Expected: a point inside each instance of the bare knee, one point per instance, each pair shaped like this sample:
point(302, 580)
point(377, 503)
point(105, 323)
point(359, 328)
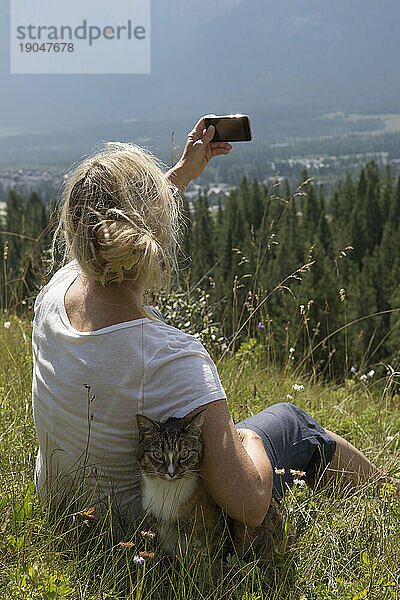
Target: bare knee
point(349, 466)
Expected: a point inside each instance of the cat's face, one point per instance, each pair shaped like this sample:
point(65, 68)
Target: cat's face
point(172, 449)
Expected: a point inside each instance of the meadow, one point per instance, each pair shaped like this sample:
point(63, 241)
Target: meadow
point(348, 543)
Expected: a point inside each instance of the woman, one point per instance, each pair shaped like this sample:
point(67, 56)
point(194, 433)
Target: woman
point(101, 356)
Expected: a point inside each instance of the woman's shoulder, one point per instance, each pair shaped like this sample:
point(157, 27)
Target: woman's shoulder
point(173, 340)
point(64, 274)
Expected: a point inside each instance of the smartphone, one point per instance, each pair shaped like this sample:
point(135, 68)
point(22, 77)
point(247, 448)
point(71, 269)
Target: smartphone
point(230, 128)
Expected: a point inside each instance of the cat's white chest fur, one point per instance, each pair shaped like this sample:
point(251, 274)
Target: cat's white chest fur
point(162, 497)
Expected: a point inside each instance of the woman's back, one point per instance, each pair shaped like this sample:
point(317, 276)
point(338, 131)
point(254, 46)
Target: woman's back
point(89, 385)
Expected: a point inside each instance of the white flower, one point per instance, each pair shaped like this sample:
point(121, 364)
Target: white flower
point(138, 559)
point(371, 373)
point(291, 349)
point(148, 534)
point(298, 473)
point(363, 377)
point(289, 396)
point(7, 324)
point(298, 388)
point(279, 471)
point(390, 438)
point(299, 482)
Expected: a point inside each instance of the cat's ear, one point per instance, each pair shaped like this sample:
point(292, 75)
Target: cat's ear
point(194, 423)
point(145, 425)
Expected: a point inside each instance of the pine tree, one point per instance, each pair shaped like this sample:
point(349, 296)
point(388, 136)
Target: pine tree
point(36, 219)
point(310, 210)
point(244, 201)
point(203, 237)
point(323, 232)
point(186, 244)
point(393, 215)
point(374, 222)
point(256, 207)
point(358, 221)
point(320, 294)
point(15, 224)
point(387, 194)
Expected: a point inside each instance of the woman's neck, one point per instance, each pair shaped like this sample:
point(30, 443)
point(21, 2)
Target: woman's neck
point(122, 294)
point(90, 305)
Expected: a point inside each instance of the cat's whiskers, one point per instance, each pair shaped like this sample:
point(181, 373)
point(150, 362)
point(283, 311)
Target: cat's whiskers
point(170, 455)
point(181, 505)
point(151, 473)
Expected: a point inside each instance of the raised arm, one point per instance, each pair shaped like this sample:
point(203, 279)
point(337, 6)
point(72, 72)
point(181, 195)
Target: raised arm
point(199, 150)
point(238, 474)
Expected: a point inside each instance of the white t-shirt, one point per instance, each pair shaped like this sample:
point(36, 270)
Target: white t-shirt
point(138, 366)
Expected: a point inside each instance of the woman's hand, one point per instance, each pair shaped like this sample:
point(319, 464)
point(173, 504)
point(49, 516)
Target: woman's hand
point(199, 150)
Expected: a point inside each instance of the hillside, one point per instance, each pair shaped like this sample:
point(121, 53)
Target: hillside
point(348, 544)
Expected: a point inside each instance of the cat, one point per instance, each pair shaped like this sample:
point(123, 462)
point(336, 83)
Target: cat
point(169, 455)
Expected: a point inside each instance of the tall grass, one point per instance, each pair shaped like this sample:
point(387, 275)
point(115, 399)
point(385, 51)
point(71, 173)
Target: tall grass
point(348, 544)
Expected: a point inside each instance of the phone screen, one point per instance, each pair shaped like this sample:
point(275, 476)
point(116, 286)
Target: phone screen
point(230, 128)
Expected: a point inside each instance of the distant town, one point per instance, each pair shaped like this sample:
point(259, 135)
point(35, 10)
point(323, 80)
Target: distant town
point(323, 168)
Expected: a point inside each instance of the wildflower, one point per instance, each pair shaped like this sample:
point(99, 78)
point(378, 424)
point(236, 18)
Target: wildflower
point(146, 554)
point(298, 388)
point(302, 309)
point(363, 377)
point(371, 373)
point(126, 544)
point(390, 438)
point(354, 370)
point(298, 473)
point(279, 471)
point(87, 513)
point(342, 294)
point(7, 324)
point(299, 482)
point(148, 534)
point(291, 350)
point(289, 396)
point(138, 559)
point(260, 326)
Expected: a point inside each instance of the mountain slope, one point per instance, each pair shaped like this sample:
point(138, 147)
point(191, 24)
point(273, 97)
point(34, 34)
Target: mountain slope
point(271, 57)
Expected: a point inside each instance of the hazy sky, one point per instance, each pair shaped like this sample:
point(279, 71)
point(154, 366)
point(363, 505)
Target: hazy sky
point(273, 57)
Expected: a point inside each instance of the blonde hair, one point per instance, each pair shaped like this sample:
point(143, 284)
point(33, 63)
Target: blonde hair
point(120, 218)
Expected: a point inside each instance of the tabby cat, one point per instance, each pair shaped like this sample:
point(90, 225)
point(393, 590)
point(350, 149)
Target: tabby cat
point(169, 455)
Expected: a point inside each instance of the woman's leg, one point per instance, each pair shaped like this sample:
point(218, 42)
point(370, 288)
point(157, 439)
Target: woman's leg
point(350, 467)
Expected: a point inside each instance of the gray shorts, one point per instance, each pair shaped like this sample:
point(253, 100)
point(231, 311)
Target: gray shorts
point(292, 439)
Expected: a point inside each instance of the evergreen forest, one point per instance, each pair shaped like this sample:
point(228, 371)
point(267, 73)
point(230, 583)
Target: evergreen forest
point(310, 279)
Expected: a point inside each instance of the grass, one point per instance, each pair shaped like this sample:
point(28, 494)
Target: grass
point(348, 545)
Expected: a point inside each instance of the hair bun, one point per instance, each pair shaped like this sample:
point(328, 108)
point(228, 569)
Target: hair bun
point(121, 217)
point(122, 245)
